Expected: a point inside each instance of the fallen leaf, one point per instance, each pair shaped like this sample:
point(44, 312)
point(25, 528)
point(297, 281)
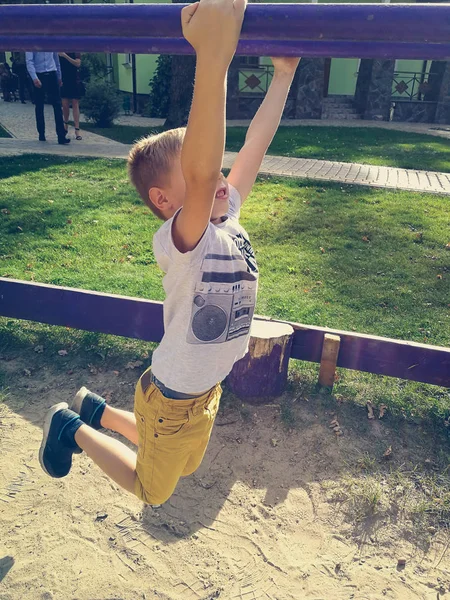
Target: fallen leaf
point(274, 442)
point(383, 409)
point(93, 369)
point(369, 407)
point(39, 349)
point(365, 238)
point(27, 372)
point(134, 364)
point(69, 221)
point(388, 453)
point(107, 396)
point(439, 276)
point(447, 246)
point(63, 352)
point(5, 211)
point(322, 250)
point(116, 373)
point(19, 228)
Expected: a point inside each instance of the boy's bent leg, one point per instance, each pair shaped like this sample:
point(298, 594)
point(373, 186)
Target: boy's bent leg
point(114, 458)
point(94, 411)
point(121, 421)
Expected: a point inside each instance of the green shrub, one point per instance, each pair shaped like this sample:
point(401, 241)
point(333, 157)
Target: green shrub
point(93, 66)
point(158, 105)
point(102, 103)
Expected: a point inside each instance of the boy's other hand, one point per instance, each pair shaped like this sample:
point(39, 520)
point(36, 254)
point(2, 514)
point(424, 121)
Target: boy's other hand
point(285, 65)
point(212, 27)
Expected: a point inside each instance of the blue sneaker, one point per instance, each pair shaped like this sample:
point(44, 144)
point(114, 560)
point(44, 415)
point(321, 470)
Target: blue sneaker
point(58, 443)
point(89, 406)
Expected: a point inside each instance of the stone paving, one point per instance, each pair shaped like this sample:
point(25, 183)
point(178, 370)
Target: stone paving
point(18, 119)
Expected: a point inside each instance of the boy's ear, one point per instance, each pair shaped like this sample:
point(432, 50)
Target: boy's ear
point(158, 198)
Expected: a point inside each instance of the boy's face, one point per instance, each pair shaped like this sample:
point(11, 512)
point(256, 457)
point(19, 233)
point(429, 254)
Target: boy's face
point(174, 194)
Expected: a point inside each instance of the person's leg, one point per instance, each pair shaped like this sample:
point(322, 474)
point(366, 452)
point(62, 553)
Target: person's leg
point(55, 100)
point(76, 117)
point(64, 434)
point(39, 96)
point(94, 411)
point(120, 421)
point(114, 458)
point(66, 112)
point(76, 112)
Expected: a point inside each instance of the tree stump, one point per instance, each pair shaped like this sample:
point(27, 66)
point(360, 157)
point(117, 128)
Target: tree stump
point(262, 373)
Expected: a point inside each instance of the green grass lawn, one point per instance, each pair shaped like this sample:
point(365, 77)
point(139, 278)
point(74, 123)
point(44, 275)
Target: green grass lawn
point(4, 133)
point(345, 257)
point(347, 144)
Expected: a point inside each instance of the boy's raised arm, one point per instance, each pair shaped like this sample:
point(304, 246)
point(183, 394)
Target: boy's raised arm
point(212, 27)
point(263, 127)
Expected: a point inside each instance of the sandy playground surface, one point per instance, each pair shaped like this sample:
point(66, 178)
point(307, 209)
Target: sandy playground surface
point(267, 517)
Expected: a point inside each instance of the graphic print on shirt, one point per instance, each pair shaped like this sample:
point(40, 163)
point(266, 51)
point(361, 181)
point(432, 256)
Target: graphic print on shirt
point(224, 300)
point(245, 248)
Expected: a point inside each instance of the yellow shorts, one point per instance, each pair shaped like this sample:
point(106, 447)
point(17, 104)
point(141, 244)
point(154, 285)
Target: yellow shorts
point(173, 437)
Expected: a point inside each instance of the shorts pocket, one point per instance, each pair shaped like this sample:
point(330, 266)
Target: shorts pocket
point(169, 427)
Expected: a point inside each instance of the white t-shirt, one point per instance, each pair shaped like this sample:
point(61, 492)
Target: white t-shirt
point(209, 305)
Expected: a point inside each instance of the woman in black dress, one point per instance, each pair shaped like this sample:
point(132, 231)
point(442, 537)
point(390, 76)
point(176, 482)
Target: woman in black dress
point(71, 90)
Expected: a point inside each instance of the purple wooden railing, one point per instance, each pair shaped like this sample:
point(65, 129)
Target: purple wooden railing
point(143, 319)
point(414, 31)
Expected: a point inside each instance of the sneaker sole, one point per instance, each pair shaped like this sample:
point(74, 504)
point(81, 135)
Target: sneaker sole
point(47, 424)
point(78, 400)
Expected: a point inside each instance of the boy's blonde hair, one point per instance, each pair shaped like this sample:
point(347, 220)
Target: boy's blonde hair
point(150, 161)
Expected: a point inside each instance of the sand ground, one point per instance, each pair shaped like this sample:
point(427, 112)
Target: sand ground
point(267, 516)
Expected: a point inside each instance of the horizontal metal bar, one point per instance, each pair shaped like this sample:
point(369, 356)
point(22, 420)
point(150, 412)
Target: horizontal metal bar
point(419, 31)
point(245, 47)
point(143, 319)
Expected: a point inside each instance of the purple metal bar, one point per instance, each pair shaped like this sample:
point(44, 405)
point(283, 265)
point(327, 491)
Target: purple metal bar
point(245, 48)
point(346, 30)
point(143, 319)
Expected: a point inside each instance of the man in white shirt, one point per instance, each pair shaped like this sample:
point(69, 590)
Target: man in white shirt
point(45, 71)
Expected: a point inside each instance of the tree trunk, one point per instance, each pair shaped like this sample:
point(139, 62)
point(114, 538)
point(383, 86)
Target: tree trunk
point(181, 88)
point(262, 373)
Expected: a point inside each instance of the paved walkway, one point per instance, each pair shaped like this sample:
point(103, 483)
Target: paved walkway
point(18, 119)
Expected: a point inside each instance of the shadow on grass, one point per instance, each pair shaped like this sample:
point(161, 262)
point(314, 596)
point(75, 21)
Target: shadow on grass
point(378, 256)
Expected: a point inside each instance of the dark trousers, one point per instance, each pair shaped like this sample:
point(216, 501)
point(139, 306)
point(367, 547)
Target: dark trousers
point(50, 88)
point(24, 82)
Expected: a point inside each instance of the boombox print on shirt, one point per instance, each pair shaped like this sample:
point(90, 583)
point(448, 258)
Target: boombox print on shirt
point(224, 300)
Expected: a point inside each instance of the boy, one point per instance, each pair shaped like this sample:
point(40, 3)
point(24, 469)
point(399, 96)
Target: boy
point(210, 281)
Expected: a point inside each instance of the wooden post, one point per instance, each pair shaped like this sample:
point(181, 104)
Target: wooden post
point(262, 373)
point(330, 351)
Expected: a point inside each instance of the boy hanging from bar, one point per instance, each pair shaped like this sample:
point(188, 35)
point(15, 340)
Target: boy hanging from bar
point(210, 278)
